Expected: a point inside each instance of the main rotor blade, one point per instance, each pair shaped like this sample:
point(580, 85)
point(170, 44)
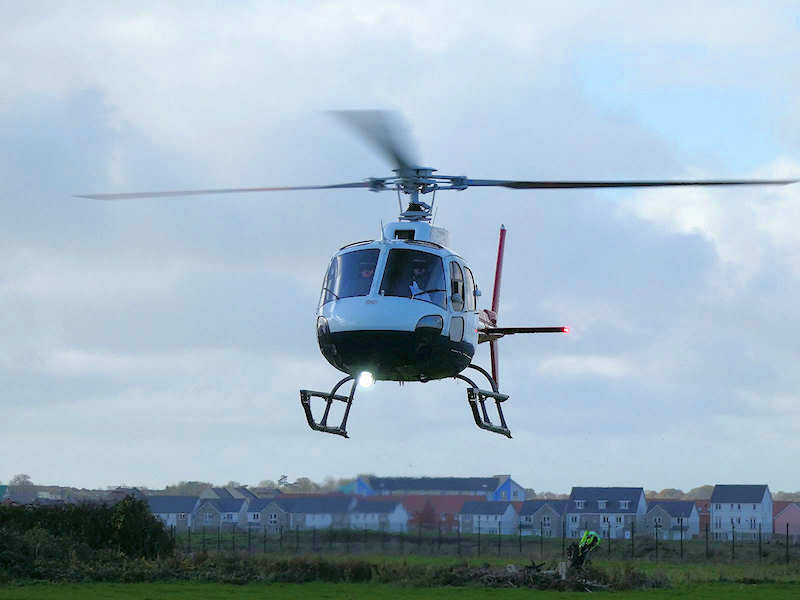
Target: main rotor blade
point(384, 130)
point(551, 185)
point(170, 193)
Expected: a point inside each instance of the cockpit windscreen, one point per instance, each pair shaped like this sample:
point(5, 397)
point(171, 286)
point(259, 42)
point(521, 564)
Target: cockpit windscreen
point(414, 274)
point(349, 275)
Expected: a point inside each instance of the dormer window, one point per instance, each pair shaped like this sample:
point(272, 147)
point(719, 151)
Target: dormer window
point(624, 504)
point(601, 504)
point(579, 504)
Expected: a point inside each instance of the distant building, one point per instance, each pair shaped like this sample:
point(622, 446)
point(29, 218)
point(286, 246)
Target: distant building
point(488, 517)
point(671, 519)
point(220, 512)
point(498, 487)
point(788, 515)
point(174, 511)
point(376, 515)
point(741, 511)
point(542, 517)
point(613, 510)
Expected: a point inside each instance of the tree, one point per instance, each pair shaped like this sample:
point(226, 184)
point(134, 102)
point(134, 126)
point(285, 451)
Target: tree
point(21, 479)
point(187, 488)
point(267, 483)
point(671, 494)
point(233, 484)
point(427, 516)
point(702, 492)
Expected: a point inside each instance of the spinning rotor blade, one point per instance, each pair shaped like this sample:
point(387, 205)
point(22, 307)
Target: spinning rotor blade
point(552, 185)
point(384, 130)
point(167, 194)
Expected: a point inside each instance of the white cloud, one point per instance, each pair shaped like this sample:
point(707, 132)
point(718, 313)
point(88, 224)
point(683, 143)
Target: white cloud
point(576, 365)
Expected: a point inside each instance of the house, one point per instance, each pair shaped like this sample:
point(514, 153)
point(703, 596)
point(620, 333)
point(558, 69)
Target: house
point(216, 512)
point(433, 512)
point(305, 512)
point(377, 515)
point(216, 493)
point(704, 513)
point(488, 517)
point(542, 517)
point(613, 510)
point(498, 487)
point(741, 511)
point(672, 519)
point(174, 511)
point(789, 516)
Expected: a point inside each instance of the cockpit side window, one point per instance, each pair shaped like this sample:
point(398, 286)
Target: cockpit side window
point(416, 275)
point(349, 275)
point(456, 286)
point(469, 290)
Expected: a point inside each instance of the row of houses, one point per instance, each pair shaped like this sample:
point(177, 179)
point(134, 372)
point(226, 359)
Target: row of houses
point(618, 512)
point(487, 504)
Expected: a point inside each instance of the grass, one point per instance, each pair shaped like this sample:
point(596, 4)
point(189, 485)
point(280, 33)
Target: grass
point(179, 591)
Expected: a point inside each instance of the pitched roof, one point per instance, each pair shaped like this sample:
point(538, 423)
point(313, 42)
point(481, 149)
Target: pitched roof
point(675, 508)
point(785, 506)
point(779, 505)
point(259, 504)
point(374, 506)
point(315, 504)
point(172, 504)
point(484, 508)
point(612, 495)
point(530, 507)
point(221, 492)
point(224, 505)
point(451, 484)
point(739, 493)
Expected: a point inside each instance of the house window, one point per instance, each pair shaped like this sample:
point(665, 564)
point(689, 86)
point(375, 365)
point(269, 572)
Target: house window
point(601, 504)
point(624, 504)
point(209, 516)
point(256, 516)
point(181, 515)
point(657, 520)
point(718, 506)
point(605, 518)
point(546, 521)
point(754, 507)
point(739, 506)
point(619, 520)
point(573, 519)
point(579, 504)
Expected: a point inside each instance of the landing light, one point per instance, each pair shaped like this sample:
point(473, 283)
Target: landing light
point(365, 379)
point(566, 329)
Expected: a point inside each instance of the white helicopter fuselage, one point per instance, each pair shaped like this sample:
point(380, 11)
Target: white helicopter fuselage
point(402, 308)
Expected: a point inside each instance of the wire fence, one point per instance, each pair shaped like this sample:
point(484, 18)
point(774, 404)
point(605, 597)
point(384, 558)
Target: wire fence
point(642, 544)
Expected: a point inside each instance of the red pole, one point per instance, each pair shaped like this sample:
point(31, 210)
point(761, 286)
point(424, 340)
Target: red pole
point(498, 275)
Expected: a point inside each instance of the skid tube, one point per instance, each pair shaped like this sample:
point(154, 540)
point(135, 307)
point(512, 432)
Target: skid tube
point(477, 400)
point(305, 401)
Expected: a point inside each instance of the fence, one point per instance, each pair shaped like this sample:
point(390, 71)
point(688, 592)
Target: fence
point(641, 544)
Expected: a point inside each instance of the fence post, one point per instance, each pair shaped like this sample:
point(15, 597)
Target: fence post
point(479, 535)
point(189, 530)
point(707, 527)
point(459, 537)
point(204, 538)
point(520, 537)
point(633, 536)
point(787, 542)
point(608, 537)
point(541, 539)
point(563, 532)
point(314, 539)
point(233, 533)
point(733, 541)
point(439, 545)
point(680, 524)
point(219, 537)
point(760, 553)
point(655, 535)
point(297, 537)
point(280, 538)
point(265, 539)
point(499, 533)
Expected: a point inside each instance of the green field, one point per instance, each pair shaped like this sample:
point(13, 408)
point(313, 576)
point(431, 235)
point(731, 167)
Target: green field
point(179, 591)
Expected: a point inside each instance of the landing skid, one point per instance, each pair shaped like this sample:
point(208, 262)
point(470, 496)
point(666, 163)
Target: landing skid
point(477, 402)
point(305, 400)
point(475, 396)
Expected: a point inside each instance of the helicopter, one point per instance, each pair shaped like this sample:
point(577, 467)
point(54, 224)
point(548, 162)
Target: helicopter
point(405, 307)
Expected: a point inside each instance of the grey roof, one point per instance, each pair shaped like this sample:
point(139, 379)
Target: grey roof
point(224, 505)
point(675, 508)
point(612, 495)
point(314, 504)
point(450, 484)
point(172, 504)
point(484, 508)
point(222, 493)
point(259, 504)
point(751, 494)
point(374, 506)
point(530, 507)
point(246, 492)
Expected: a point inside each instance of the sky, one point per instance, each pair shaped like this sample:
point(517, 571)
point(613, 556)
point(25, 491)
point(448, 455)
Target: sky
point(144, 342)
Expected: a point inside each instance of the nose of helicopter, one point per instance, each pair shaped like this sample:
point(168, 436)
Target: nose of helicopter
point(377, 313)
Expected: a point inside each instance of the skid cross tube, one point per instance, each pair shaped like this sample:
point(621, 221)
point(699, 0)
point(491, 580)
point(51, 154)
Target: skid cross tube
point(305, 400)
point(477, 398)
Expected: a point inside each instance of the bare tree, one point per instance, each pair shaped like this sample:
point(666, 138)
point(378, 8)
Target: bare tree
point(21, 479)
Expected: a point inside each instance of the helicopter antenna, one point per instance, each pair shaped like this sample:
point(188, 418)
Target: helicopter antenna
point(383, 235)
